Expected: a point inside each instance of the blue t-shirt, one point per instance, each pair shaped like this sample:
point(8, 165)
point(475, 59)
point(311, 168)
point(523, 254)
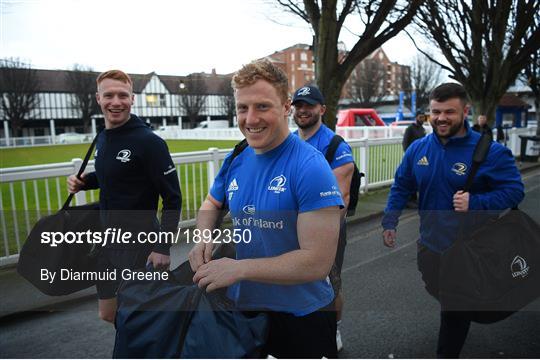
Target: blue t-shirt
point(321, 140)
point(265, 194)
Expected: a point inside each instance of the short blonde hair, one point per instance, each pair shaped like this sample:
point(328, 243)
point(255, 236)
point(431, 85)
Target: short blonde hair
point(262, 70)
point(115, 75)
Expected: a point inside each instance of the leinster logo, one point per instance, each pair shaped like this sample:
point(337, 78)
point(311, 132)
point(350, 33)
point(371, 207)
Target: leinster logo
point(249, 209)
point(459, 168)
point(304, 91)
point(277, 184)
point(519, 267)
point(123, 155)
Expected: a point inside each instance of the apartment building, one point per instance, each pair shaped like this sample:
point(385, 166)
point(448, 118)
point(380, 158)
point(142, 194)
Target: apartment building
point(298, 62)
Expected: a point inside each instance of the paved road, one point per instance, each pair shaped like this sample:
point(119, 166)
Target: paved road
point(388, 313)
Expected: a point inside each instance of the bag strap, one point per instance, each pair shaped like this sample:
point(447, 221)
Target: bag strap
point(480, 154)
point(82, 168)
point(238, 148)
point(332, 148)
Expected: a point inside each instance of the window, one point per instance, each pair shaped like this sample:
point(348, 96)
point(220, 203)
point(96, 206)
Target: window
point(155, 100)
point(364, 120)
point(292, 56)
point(303, 56)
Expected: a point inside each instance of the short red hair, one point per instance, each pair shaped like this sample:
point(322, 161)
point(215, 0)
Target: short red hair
point(115, 75)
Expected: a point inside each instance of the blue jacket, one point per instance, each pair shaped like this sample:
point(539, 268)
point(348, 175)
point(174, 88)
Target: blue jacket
point(133, 169)
point(437, 172)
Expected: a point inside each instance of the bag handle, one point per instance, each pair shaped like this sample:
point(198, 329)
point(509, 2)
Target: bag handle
point(82, 168)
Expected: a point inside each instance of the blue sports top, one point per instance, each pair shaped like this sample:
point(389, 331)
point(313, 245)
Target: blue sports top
point(265, 193)
point(438, 171)
point(321, 140)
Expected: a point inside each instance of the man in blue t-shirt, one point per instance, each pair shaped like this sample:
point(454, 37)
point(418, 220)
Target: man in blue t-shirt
point(284, 204)
point(308, 103)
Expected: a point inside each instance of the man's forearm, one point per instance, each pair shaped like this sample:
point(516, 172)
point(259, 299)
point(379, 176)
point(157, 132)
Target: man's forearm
point(318, 233)
point(294, 267)
point(209, 216)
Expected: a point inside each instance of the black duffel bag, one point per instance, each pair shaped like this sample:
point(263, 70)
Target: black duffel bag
point(495, 270)
point(173, 318)
point(38, 256)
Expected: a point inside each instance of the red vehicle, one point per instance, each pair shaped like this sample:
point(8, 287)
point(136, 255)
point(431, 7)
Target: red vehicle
point(359, 117)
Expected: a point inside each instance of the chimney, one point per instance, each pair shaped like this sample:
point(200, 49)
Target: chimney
point(214, 71)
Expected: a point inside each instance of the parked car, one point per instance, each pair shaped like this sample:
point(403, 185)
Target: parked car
point(213, 124)
point(359, 117)
point(71, 138)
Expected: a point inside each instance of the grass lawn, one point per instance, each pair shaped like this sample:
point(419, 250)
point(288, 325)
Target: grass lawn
point(36, 155)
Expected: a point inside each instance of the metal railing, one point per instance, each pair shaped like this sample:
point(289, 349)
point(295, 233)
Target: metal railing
point(45, 140)
point(30, 192)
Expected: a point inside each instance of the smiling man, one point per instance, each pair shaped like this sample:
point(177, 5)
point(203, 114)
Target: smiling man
point(281, 191)
point(133, 169)
point(309, 108)
point(437, 166)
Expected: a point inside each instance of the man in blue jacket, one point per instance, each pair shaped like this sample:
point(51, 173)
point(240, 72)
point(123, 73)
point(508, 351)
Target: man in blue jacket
point(133, 168)
point(437, 167)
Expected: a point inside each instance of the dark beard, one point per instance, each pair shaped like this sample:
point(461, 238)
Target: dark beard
point(454, 129)
point(314, 120)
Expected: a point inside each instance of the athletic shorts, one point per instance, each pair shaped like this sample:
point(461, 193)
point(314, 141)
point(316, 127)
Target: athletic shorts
point(118, 259)
point(310, 336)
point(335, 272)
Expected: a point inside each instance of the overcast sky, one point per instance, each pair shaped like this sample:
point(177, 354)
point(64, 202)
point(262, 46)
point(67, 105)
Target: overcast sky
point(170, 37)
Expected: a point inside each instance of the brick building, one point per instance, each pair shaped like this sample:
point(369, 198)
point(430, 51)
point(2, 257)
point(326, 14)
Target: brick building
point(298, 63)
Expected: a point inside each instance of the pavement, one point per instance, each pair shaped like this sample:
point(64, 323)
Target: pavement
point(20, 298)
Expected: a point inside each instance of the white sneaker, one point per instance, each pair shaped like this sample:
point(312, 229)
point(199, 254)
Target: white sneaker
point(339, 343)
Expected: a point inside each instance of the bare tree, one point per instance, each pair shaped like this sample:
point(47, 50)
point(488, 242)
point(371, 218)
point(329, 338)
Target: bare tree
point(531, 75)
point(381, 19)
point(192, 100)
point(227, 101)
point(486, 43)
point(82, 83)
point(368, 83)
point(19, 85)
point(425, 75)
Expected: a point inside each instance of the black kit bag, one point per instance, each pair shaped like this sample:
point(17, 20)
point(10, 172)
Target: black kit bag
point(354, 191)
point(76, 257)
point(495, 270)
point(173, 318)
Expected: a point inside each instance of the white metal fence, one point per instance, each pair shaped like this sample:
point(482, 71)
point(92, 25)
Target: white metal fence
point(30, 192)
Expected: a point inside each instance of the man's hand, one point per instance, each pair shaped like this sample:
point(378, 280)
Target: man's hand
point(389, 238)
point(461, 201)
point(200, 255)
point(218, 274)
point(159, 261)
point(74, 184)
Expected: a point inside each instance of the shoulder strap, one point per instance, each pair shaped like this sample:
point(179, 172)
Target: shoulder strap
point(82, 168)
point(332, 148)
point(480, 153)
point(238, 148)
